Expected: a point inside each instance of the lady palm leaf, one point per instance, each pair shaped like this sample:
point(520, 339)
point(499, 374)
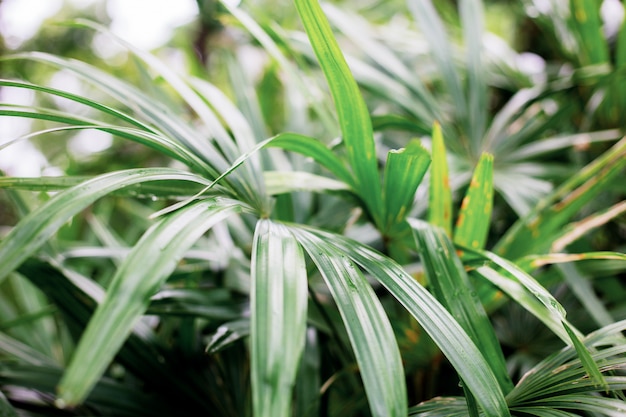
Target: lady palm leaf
point(129, 294)
point(440, 195)
point(36, 228)
point(278, 324)
point(354, 120)
point(368, 327)
point(535, 233)
point(453, 341)
point(153, 112)
point(474, 218)
point(451, 285)
point(77, 297)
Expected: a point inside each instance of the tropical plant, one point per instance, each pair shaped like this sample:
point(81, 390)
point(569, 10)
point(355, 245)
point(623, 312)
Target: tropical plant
point(236, 289)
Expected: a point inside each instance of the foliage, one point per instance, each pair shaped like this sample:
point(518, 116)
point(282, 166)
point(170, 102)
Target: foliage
point(247, 264)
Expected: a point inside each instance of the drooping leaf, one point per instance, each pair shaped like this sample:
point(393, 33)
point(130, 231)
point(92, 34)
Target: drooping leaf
point(151, 110)
point(452, 287)
point(77, 296)
point(139, 277)
point(451, 338)
point(278, 182)
point(366, 323)
point(313, 148)
point(531, 302)
point(278, 317)
point(590, 365)
point(35, 229)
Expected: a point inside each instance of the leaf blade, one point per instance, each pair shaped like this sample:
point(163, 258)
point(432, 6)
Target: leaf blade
point(132, 286)
point(32, 231)
point(354, 119)
point(278, 311)
point(367, 325)
point(452, 287)
point(440, 194)
point(475, 216)
point(434, 318)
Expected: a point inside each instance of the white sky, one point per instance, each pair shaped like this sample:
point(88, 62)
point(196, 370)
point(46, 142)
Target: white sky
point(147, 24)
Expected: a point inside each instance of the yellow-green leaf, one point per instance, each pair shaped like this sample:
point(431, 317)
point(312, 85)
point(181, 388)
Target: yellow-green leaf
point(474, 218)
point(440, 196)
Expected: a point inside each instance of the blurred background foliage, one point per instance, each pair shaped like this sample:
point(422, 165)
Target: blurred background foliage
point(550, 99)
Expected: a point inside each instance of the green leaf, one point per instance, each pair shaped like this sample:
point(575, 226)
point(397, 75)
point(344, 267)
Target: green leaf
point(533, 302)
point(404, 171)
point(368, 327)
point(431, 26)
point(151, 110)
point(523, 278)
point(535, 233)
point(585, 358)
point(452, 287)
point(39, 225)
point(356, 126)
point(439, 195)
point(155, 141)
point(473, 222)
point(433, 317)
point(315, 149)
point(160, 189)
point(279, 182)
point(77, 296)
point(471, 12)
point(585, 17)
point(6, 410)
point(278, 317)
point(139, 277)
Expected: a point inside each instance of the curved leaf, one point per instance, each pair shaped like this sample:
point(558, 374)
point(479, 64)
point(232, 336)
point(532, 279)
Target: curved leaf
point(452, 287)
point(139, 277)
point(365, 320)
point(454, 342)
point(35, 229)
